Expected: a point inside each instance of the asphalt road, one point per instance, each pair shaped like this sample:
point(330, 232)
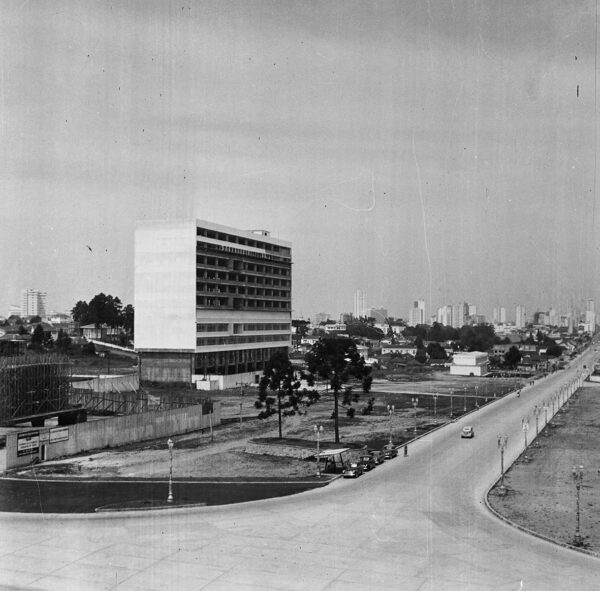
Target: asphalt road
point(415, 523)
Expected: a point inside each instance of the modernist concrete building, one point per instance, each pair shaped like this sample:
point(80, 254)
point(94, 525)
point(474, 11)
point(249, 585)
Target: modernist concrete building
point(474, 363)
point(212, 303)
point(33, 303)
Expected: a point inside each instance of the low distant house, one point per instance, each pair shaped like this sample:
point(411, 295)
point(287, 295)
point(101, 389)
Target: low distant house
point(474, 363)
point(404, 349)
point(91, 331)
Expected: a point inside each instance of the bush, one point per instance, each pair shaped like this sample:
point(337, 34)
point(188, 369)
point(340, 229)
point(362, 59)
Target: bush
point(351, 412)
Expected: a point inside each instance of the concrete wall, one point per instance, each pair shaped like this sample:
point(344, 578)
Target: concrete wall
point(112, 432)
point(105, 383)
point(165, 286)
point(167, 367)
point(218, 382)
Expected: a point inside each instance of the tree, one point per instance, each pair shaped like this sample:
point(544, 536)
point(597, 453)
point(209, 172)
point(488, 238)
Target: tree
point(436, 351)
point(477, 338)
point(104, 309)
point(63, 341)
point(421, 355)
point(37, 338)
point(35, 319)
point(280, 378)
point(512, 357)
point(336, 359)
point(128, 318)
point(554, 350)
point(80, 312)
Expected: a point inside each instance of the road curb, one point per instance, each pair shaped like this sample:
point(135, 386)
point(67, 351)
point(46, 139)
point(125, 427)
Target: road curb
point(529, 531)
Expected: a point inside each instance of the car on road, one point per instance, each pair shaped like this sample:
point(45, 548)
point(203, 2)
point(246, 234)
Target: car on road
point(352, 470)
point(389, 451)
point(377, 456)
point(367, 462)
point(467, 432)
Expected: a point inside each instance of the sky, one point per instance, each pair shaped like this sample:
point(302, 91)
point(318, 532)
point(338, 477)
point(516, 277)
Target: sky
point(440, 150)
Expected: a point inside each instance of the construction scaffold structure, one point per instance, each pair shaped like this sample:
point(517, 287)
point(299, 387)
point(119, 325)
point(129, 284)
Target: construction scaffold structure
point(33, 384)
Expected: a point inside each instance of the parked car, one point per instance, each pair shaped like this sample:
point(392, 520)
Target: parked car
point(352, 470)
point(467, 432)
point(377, 456)
point(389, 451)
point(368, 463)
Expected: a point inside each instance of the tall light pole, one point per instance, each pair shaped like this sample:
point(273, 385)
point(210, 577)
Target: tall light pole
point(390, 409)
point(545, 413)
point(170, 497)
point(318, 429)
point(464, 399)
point(415, 401)
point(476, 394)
point(578, 478)
point(536, 413)
point(525, 429)
point(451, 398)
point(242, 385)
point(502, 441)
point(435, 397)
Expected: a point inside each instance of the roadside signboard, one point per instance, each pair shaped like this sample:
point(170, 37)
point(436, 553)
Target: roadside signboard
point(28, 443)
point(59, 434)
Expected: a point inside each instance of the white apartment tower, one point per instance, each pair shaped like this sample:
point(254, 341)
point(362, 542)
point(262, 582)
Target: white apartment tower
point(416, 314)
point(459, 315)
point(499, 315)
point(212, 303)
point(360, 303)
point(33, 303)
point(520, 317)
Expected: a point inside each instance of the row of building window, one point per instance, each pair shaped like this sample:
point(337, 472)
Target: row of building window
point(237, 278)
point(241, 290)
point(250, 327)
point(267, 246)
point(212, 327)
point(242, 304)
point(234, 361)
point(237, 340)
point(239, 265)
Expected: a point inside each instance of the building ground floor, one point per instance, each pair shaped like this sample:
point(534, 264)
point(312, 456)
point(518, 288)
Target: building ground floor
point(186, 367)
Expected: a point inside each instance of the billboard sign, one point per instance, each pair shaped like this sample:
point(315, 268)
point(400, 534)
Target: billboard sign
point(59, 434)
point(28, 443)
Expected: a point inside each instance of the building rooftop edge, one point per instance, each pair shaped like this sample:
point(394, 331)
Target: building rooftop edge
point(217, 227)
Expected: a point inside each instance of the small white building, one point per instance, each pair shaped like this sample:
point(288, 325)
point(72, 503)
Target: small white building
point(474, 363)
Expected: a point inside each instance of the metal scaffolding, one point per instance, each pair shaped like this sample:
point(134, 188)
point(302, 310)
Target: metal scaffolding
point(33, 384)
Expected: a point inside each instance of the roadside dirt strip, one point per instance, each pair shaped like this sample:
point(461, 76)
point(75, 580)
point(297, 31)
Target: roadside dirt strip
point(540, 492)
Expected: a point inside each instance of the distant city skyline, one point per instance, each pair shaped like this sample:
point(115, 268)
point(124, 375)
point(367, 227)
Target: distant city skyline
point(442, 151)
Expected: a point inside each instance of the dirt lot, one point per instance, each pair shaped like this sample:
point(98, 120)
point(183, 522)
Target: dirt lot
point(542, 495)
point(222, 454)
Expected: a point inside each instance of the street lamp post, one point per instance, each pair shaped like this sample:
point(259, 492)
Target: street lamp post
point(390, 409)
point(578, 477)
point(242, 385)
point(545, 413)
point(170, 444)
point(525, 429)
point(502, 441)
point(415, 401)
point(318, 429)
point(465, 399)
point(536, 413)
point(451, 398)
point(435, 397)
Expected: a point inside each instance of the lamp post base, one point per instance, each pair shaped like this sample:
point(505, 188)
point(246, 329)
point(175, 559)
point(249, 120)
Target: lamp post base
point(170, 497)
point(577, 540)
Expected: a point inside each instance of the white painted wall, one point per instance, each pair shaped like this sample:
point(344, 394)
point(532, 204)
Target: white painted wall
point(165, 286)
